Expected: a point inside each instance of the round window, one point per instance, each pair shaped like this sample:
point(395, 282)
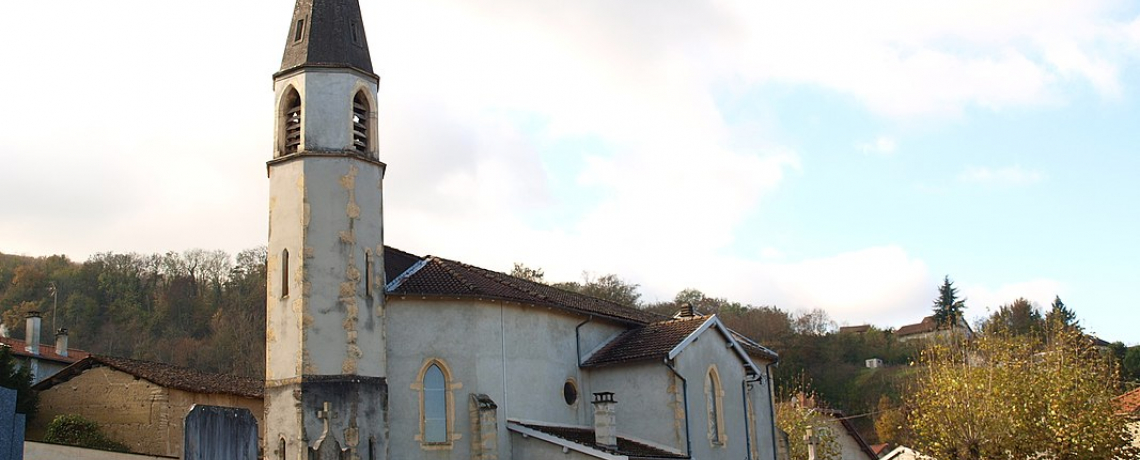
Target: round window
point(570, 392)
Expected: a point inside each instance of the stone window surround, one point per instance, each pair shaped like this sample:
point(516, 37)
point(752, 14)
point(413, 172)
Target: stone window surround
point(714, 390)
point(450, 386)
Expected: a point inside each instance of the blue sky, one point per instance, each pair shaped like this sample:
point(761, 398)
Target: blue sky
point(823, 154)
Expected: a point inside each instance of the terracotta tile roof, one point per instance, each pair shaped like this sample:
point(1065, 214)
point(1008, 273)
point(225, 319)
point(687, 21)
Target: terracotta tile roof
point(585, 436)
point(448, 278)
point(167, 375)
point(651, 341)
point(927, 325)
point(855, 329)
point(880, 449)
point(1128, 403)
point(46, 351)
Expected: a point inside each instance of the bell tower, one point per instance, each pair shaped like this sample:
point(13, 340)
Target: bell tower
point(326, 396)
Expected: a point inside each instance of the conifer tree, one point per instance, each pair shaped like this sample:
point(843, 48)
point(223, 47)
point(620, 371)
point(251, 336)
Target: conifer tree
point(948, 308)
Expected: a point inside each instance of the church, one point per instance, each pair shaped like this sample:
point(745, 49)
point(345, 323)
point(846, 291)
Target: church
point(375, 353)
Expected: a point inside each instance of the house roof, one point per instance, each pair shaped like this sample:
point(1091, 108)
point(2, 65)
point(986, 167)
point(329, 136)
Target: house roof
point(331, 35)
point(655, 340)
point(47, 352)
point(584, 436)
point(1128, 403)
point(855, 329)
point(926, 325)
point(436, 277)
point(167, 375)
point(439, 277)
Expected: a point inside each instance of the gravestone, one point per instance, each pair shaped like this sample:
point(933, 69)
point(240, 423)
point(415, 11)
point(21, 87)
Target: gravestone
point(11, 427)
point(219, 433)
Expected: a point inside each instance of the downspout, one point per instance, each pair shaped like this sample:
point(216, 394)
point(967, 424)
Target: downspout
point(578, 341)
point(747, 428)
point(685, 398)
point(772, 409)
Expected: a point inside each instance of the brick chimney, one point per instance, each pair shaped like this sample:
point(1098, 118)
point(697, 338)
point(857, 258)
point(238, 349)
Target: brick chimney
point(686, 311)
point(605, 420)
point(61, 341)
point(32, 333)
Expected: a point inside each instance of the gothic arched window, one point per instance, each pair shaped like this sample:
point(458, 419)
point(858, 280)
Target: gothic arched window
point(360, 110)
point(714, 400)
point(291, 122)
point(435, 384)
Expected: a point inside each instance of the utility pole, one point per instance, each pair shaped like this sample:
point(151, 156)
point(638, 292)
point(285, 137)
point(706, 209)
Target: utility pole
point(54, 303)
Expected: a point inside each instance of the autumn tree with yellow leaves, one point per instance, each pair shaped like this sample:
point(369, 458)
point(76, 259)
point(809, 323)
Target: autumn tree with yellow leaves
point(1008, 396)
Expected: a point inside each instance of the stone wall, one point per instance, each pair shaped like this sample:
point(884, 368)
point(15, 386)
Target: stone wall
point(146, 417)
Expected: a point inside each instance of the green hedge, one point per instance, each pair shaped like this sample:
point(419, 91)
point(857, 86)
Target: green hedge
point(75, 430)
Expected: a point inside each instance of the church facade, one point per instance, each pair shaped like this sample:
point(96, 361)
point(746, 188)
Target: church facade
point(375, 353)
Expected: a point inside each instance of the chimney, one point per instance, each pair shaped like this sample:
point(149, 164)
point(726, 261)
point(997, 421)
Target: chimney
point(605, 420)
point(687, 311)
point(61, 342)
point(32, 334)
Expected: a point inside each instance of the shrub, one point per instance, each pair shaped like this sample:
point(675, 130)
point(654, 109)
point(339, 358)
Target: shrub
point(74, 430)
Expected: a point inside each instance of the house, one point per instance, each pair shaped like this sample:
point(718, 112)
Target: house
point(1128, 405)
point(852, 446)
point(377, 353)
point(928, 328)
point(42, 359)
point(139, 403)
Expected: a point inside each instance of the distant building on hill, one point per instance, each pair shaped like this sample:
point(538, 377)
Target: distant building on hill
point(928, 328)
point(862, 328)
point(43, 360)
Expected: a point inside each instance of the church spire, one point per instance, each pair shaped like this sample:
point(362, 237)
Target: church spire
point(327, 33)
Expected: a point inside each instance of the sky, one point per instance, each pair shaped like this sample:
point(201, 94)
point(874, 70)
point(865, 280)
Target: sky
point(812, 154)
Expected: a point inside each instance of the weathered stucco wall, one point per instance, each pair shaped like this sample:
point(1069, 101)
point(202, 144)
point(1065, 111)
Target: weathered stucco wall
point(650, 404)
point(146, 417)
point(472, 338)
point(694, 363)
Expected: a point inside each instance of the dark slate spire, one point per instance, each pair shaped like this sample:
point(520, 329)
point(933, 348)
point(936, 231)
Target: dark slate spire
point(327, 33)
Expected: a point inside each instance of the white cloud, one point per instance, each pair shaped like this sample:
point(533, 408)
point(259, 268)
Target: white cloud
point(883, 145)
point(1008, 176)
point(983, 300)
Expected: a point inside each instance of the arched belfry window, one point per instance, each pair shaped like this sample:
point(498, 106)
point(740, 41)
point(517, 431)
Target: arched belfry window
point(291, 122)
point(360, 110)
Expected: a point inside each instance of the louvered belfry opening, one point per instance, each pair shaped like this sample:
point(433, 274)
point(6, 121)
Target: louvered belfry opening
point(360, 123)
point(292, 122)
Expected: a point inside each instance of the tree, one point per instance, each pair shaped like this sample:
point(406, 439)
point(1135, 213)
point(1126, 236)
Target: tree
point(1007, 396)
point(16, 377)
point(891, 423)
point(609, 287)
point(527, 273)
point(1018, 318)
point(1130, 365)
point(1061, 315)
point(948, 308)
point(815, 322)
